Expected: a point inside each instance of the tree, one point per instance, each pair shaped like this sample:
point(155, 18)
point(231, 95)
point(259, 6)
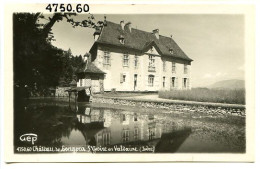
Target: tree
point(37, 64)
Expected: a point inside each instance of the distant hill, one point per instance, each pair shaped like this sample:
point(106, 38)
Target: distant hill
point(228, 84)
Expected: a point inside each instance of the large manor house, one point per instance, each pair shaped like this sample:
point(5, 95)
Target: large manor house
point(123, 58)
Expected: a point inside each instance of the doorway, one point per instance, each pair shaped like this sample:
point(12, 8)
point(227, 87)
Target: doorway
point(135, 81)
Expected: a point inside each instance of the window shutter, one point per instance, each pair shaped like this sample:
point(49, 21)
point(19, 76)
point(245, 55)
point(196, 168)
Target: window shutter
point(123, 60)
point(128, 61)
point(103, 58)
point(121, 77)
point(156, 81)
point(138, 60)
point(109, 58)
point(171, 85)
point(173, 67)
point(146, 81)
point(84, 82)
point(176, 83)
point(188, 83)
point(134, 61)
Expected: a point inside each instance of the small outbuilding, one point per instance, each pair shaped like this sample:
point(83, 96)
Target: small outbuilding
point(91, 76)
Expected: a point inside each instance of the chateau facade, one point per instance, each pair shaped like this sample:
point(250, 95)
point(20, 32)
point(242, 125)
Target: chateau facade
point(135, 60)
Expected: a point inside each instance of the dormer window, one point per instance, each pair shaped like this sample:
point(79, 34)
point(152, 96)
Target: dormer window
point(122, 39)
point(97, 33)
point(171, 51)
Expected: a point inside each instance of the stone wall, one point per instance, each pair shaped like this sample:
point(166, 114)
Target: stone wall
point(60, 92)
point(204, 108)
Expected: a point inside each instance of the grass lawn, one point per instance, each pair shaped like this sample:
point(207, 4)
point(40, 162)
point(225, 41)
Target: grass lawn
point(206, 95)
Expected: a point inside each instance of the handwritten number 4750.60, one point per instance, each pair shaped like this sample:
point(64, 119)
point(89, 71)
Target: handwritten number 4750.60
point(68, 7)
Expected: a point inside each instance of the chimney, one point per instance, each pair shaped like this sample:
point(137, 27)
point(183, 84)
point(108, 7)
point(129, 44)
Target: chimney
point(129, 26)
point(156, 33)
point(122, 23)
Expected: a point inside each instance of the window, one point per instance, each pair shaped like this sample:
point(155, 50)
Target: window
point(185, 69)
point(136, 61)
point(122, 78)
point(173, 67)
point(164, 65)
point(171, 50)
point(99, 139)
point(151, 66)
point(135, 117)
point(106, 58)
point(135, 81)
point(150, 80)
point(151, 133)
point(106, 139)
point(125, 59)
point(173, 82)
point(163, 81)
point(136, 134)
point(124, 117)
point(184, 83)
point(122, 41)
point(80, 82)
point(125, 135)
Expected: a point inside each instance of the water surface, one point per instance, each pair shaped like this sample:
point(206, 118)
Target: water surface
point(60, 124)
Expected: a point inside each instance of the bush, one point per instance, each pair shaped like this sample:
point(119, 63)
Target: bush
point(206, 95)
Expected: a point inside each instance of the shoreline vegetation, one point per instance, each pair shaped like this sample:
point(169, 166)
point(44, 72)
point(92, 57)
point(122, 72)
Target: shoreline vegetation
point(126, 98)
point(155, 105)
point(222, 98)
point(226, 96)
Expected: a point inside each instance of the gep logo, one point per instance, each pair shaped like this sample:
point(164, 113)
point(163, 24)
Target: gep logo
point(30, 137)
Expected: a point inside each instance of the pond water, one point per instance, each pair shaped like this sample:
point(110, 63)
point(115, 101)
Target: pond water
point(100, 128)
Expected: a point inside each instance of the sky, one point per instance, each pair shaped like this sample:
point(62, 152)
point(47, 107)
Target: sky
point(215, 42)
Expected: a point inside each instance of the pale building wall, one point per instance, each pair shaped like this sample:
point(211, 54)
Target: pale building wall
point(113, 72)
point(86, 81)
point(178, 74)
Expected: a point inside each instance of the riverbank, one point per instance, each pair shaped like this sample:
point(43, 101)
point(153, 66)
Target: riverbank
point(176, 105)
point(153, 102)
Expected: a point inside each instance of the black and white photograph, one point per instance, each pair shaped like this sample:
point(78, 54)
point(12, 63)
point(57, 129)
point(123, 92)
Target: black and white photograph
point(130, 83)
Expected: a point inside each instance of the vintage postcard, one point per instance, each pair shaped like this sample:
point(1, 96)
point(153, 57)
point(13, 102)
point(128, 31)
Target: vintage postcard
point(129, 83)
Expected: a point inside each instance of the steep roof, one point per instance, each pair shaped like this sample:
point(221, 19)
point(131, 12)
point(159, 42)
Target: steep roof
point(91, 68)
point(140, 40)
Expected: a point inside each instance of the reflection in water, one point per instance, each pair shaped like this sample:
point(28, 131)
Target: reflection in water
point(102, 127)
point(58, 124)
